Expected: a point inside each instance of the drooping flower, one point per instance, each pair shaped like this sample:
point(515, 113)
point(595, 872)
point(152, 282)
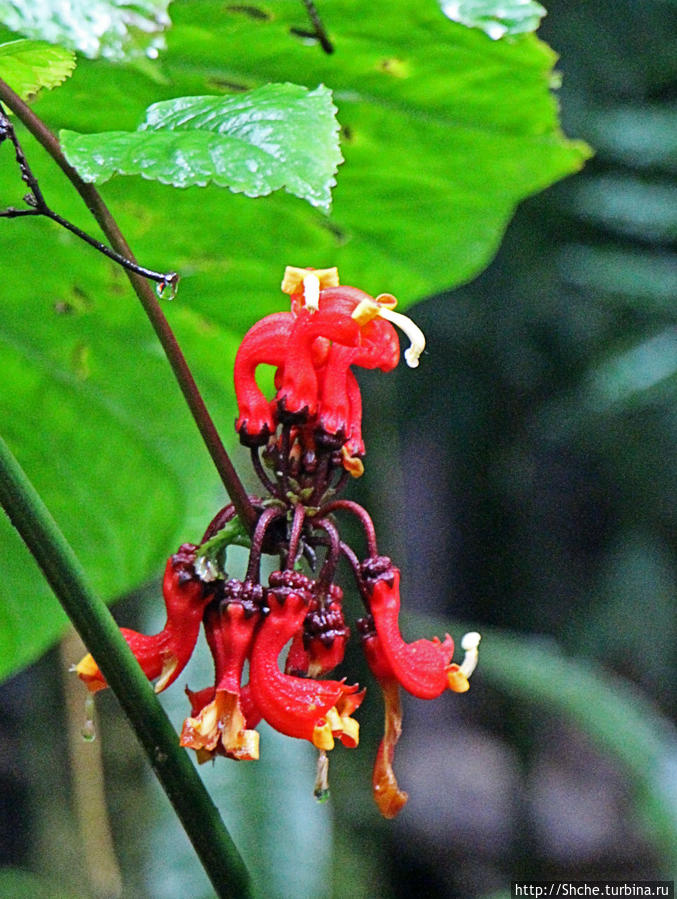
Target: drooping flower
point(329, 329)
point(220, 724)
point(423, 668)
point(163, 655)
point(302, 707)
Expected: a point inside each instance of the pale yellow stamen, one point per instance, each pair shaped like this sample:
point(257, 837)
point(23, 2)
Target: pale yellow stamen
point(365, 311)
point(294, 277)
point(470, 646)
point(458, 675)
point(311, 291)
point(413, 332)
point(383, 307)
point(169, 664)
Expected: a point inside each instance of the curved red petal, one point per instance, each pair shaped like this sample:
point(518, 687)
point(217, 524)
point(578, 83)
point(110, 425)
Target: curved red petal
point(292, 705)
point(420, 667)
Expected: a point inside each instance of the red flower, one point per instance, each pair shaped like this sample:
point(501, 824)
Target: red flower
point(166, 654)
point(421, 667)
point(320, 646)
point(219, 724)
point(304, 440)
point(309, 709)
point(313, 347)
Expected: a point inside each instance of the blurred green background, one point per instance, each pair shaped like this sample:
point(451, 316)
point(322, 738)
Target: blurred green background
point(525, 482)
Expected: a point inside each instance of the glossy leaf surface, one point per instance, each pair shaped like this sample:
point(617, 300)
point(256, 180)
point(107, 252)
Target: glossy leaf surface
point(279, 135)
point(114, 29)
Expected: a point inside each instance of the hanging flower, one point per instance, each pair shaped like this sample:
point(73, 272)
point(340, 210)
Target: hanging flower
point(330, 329)
point(302, 707)
point(219, 724)
point(166, 654)
point(305, 441)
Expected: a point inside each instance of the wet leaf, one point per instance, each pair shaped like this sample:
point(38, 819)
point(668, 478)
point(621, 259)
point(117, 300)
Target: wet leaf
point(252, 143)
point(114, 29)
point(496, 18)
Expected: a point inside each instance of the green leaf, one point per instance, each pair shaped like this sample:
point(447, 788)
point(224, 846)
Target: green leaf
point(444, 133)
point(115, 29)
point(28, 66)
point(280, 135)
point(496, 17)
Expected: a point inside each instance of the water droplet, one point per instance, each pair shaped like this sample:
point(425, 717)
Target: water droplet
point(88, 730)
point(168, 287)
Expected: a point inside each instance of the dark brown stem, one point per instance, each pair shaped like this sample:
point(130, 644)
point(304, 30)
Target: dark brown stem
point(330, 563)
point(320, 31)
point(365, 520)
point(146, 295)
point(294, 536)
point(261, 474)
point(354, 563)
point(265, 520)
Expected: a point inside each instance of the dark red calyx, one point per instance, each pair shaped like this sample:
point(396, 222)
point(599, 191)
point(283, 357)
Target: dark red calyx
point(249, 594)
point(377, 568)
point(183, 563)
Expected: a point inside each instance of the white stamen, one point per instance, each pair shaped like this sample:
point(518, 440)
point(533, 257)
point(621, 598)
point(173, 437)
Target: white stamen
point(413, 332)
point(311, 291)
point(469, 645)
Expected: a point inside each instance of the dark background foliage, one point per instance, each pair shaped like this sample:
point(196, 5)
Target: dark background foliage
point(526, 482)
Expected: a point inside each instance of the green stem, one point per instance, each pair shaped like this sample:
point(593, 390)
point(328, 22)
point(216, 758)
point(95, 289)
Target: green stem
point(172, 765)
point(146, 295)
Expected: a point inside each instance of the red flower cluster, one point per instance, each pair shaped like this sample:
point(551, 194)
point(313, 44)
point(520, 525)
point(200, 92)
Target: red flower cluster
point(328, 330)
point(304, 442)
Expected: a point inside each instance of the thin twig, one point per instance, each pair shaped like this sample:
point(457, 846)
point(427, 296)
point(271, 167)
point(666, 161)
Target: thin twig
point(146, 295)
point(38, 206)
point(318, 25)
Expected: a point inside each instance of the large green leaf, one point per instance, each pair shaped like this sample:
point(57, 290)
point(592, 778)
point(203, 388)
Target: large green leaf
point(444, 132)
point(112, 28)
point(279, 135)
point(31, 65)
